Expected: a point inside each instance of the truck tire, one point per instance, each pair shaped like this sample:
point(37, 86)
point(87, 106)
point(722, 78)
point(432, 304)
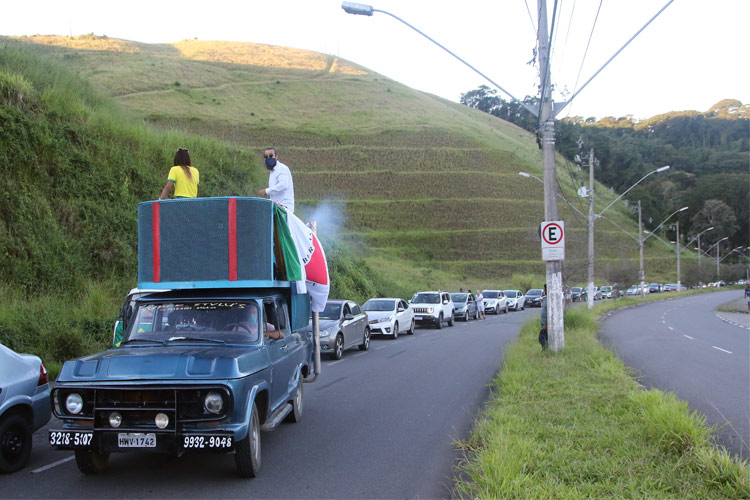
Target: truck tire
point(298, 406)
point(247, 456)
point(15, 443)
point(91, 462)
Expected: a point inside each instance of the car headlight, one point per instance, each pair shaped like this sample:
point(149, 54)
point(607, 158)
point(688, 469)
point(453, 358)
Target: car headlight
point(430, 310)
point(213, 402)
point(387, 319)
point(162, 420)
point(74, 403)
point(325, 333)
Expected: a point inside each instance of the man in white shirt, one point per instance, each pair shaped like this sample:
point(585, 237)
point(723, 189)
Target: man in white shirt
point(280, 186)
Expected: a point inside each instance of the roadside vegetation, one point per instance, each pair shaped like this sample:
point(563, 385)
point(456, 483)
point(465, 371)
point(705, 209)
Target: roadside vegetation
point(577, 425)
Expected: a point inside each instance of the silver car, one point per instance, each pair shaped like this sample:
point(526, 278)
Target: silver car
point(343, 325)
point(389, 317)
point(516, 299)
point(24, 406)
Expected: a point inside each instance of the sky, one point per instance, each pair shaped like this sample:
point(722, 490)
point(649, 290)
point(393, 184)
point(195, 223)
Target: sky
point(690, 57)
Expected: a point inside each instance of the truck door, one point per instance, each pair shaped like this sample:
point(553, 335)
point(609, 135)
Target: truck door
point(277, 351)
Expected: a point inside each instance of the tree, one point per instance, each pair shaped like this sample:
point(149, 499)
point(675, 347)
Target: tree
point(718, 214)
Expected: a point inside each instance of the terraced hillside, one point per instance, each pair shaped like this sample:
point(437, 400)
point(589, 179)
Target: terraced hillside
point(416, 182)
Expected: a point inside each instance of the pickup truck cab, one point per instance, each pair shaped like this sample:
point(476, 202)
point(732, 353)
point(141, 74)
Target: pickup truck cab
point(203, 368)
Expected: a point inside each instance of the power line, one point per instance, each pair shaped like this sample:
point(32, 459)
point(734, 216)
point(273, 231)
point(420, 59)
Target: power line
point(533, 26)
point(587, 47)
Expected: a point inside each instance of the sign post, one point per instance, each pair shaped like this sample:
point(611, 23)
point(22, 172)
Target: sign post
point(553, 240)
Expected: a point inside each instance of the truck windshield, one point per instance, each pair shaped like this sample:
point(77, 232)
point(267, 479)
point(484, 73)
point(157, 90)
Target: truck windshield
point(220, 320)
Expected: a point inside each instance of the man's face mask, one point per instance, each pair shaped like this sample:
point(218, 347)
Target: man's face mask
point(270, 162)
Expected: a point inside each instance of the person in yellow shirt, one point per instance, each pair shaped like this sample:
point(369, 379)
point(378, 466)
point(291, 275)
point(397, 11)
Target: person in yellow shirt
point(183, 176)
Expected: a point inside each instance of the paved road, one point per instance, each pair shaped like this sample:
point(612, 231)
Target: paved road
point(378, 424)
point(682, 345)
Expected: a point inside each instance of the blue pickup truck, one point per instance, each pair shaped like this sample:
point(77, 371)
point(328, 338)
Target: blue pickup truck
point(207, 363)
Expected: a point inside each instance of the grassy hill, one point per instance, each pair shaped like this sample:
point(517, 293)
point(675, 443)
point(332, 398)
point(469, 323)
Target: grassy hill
point(423, 190)
point(412, 175)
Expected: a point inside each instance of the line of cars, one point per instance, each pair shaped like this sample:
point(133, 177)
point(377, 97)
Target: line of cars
point(345, 325)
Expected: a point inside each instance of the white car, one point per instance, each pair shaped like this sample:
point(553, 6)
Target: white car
point(389, 317)
point(516, 299)
point(433, 307)
point(495, 301)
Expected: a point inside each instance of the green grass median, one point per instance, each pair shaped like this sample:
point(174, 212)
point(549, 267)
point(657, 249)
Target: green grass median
point(577, 425)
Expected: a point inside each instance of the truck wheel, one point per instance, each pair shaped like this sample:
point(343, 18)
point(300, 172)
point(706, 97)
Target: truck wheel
point(298, 407)
point(410, 331)
point(365, 340)
point(247, 456)
point(91, 462)
point(15, 443)
point(440, 322)
point(394, 336)
point(338, 350)
point(452, 321)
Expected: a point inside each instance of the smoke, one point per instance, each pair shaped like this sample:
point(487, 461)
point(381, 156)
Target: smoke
point(330, 217)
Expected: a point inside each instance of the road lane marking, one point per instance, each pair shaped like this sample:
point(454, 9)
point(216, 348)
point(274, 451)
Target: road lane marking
point(53, 464)
point(688, 336)
point(722, 350)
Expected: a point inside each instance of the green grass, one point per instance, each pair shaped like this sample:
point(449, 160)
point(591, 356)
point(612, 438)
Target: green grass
point(576, 425)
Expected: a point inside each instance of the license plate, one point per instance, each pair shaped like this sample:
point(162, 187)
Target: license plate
point(207, 442)
point(71, 439)
point(418, 318)
point(136, 440)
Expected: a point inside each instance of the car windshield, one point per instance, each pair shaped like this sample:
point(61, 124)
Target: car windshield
point(426, 298)
point(534, 291)
point(331, 311)
point(379, 305)
point(577, 289)
point(215, 321)
point(606, 288)
point(510, 293)
point(489, 294)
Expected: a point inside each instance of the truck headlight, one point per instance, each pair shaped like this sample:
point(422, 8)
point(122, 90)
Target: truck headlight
point(115, 419)
point(162, 420)
point(74, 403)
point(213, 402)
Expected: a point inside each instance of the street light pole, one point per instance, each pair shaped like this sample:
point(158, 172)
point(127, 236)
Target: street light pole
point(677, 242)
point(642, 272)
point(590, 294)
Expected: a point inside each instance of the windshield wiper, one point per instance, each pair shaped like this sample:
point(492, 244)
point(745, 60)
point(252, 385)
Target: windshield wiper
point(192, 339)
point(143, 340)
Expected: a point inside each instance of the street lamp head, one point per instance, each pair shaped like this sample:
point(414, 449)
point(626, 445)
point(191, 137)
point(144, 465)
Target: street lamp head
point(682, 209)
point(524, 174)
point(710, 228)
point(724, 238)
point(662, 169)
point(357, 8)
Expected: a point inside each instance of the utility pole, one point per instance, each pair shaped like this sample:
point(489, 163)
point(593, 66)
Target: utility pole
point(717, 260)
point(642, 271)
point(677, 242)
point(590, 294)
point(555, 324)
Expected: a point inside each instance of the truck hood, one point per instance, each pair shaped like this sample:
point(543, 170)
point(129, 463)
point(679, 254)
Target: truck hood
point(164, 363)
